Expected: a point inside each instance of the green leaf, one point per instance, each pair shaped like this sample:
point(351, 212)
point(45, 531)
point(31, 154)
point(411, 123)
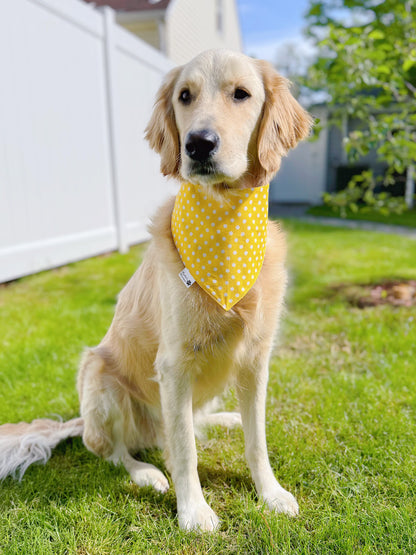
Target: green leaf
point(316, 9)
point(384, 69)
point(376, 35)
point(408, 64)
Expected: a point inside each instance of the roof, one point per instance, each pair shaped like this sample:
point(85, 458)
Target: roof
point(132, 5)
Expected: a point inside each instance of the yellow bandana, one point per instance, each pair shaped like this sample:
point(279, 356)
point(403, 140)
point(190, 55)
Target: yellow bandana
point(221, 241)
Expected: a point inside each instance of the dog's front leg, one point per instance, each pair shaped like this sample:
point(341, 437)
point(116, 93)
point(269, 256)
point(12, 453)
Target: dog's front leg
point(252, 386)
point(176, 397)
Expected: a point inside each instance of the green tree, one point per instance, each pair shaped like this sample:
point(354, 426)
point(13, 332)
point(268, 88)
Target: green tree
point(367, 64)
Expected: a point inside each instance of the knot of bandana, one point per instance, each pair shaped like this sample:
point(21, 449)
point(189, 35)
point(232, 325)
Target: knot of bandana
point(221, 240)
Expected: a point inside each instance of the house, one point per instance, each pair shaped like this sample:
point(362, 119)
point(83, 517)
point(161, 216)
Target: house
point(180, 29)
point(321, 165)
point(303, 175)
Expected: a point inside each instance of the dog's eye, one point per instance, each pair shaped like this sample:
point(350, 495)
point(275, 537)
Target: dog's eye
point(185, 96)
point(240, 94)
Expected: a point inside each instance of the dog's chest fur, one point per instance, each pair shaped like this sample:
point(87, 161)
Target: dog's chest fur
point(185, 326)
point(206, 340)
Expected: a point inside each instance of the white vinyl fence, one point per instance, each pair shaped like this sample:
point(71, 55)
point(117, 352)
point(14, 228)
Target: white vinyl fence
point(76, 176)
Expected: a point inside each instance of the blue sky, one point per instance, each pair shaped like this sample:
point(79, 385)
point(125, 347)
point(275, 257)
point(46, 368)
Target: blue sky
point(267, 24)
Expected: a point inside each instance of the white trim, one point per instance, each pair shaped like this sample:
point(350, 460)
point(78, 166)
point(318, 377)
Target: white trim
point(161, 29)
point(237, 16)
point(169, 8)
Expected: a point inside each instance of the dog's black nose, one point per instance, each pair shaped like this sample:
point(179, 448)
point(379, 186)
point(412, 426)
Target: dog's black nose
point(201, 145)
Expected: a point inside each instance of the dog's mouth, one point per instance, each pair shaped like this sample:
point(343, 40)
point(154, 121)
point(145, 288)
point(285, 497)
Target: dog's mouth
point(209, 174)
point(210, 178)
point(207, 168)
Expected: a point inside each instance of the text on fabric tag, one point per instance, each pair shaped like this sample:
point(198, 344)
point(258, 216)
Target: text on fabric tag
point(186, 277)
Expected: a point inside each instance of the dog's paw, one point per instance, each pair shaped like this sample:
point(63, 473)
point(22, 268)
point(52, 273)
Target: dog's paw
point(281, 501)
point(199, 517)
point(231, 419)
point(150, 477)
point(225, 419)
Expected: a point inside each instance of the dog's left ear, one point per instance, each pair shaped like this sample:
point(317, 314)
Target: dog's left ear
point(161, 131)
point(284, 122)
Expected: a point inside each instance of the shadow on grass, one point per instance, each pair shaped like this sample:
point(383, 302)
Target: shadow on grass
point(73, 474)
point(220, 478)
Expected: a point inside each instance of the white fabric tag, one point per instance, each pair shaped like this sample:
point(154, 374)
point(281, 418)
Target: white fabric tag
point(186, 277)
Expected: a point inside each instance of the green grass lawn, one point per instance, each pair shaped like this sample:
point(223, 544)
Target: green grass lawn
point(407, 219)
point(341, 416)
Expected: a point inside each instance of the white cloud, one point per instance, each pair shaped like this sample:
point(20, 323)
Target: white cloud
point(268, 49)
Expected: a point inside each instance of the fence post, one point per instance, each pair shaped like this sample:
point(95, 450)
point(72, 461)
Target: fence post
point(111, 93)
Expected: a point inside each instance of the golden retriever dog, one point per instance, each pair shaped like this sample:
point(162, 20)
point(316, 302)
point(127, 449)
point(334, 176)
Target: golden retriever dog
point(222, 123)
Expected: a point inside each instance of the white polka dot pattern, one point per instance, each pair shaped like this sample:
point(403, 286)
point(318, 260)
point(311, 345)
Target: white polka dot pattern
point(221, 241)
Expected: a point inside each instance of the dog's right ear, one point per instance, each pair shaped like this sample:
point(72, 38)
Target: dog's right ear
point(161, 131)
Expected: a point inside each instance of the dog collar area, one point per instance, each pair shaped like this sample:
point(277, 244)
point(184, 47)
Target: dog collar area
point(221, 238)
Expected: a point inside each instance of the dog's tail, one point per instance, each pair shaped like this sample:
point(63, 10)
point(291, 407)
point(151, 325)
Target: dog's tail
point(24, 444)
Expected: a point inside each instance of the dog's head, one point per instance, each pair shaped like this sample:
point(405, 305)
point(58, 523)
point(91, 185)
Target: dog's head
point(225, 118)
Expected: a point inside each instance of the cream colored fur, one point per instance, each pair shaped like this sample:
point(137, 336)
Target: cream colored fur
point(170, 350)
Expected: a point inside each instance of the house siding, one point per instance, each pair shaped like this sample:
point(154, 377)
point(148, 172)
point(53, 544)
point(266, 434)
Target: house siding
point(191, 28)
point(303, 174)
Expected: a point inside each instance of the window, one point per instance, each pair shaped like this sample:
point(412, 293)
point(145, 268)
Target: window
point(220, 16)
